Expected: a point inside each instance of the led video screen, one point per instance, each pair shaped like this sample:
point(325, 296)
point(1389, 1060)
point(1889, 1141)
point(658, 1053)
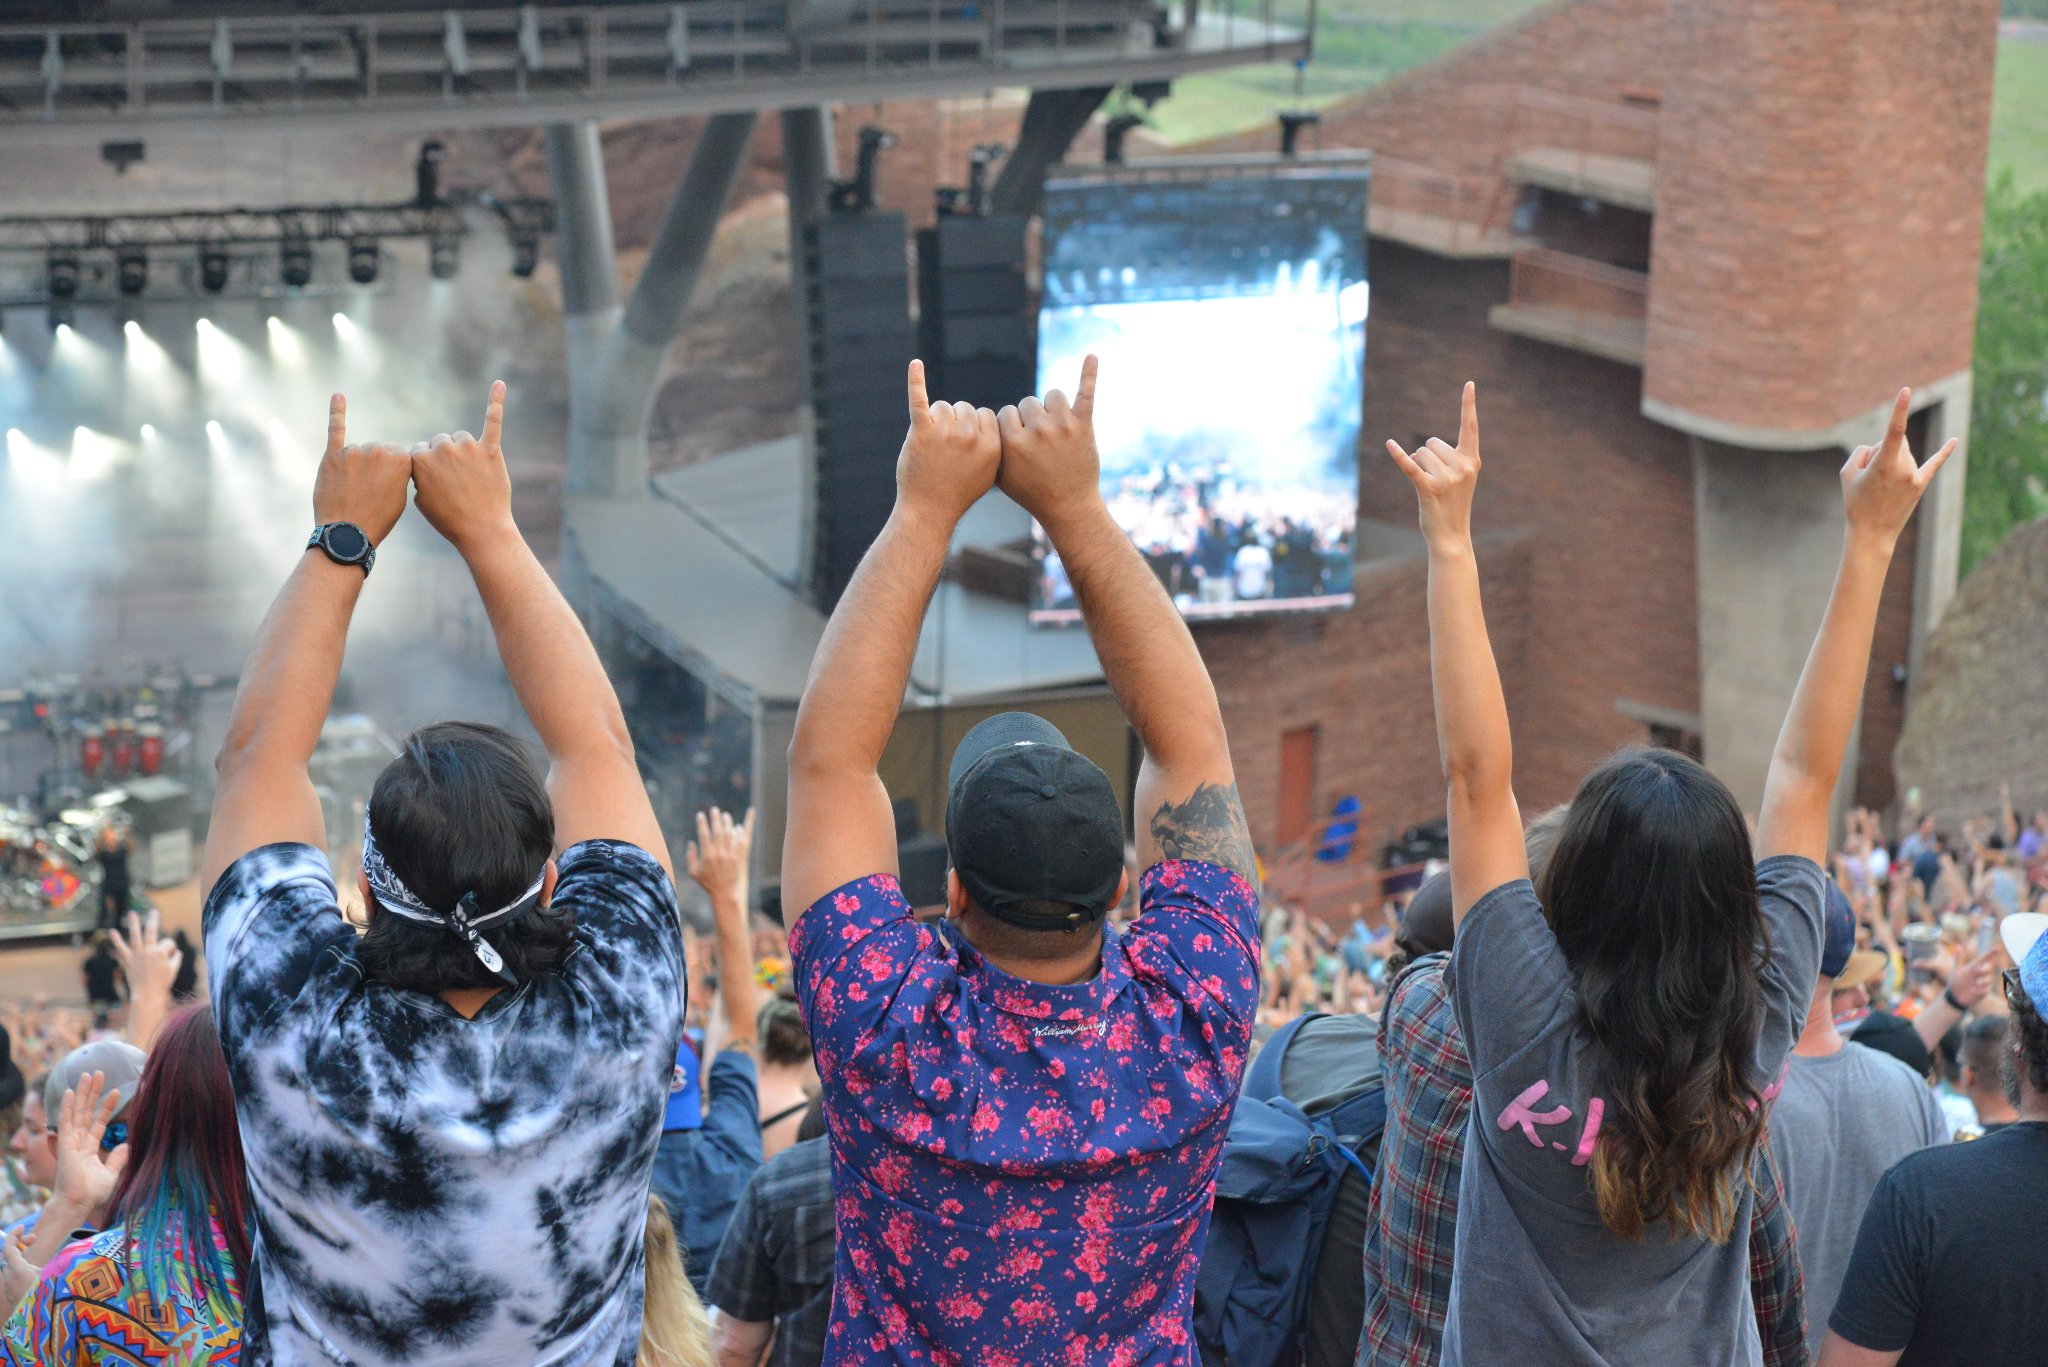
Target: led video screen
point(1229, 314)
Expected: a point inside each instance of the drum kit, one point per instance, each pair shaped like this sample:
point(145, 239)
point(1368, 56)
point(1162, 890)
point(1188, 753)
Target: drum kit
point(48, 874)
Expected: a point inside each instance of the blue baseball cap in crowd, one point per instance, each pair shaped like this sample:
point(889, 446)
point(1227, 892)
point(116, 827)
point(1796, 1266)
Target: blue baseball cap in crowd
point(1839, 957)
point(685, 1093)
point(2024, 941)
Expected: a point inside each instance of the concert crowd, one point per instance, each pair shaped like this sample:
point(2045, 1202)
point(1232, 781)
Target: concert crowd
point(1646, 1077)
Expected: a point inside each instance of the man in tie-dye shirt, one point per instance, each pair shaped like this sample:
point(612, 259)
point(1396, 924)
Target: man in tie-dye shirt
point(1025, 1108)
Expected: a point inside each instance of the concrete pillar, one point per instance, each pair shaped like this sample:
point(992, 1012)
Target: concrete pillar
point(1052, 120)
point(590, 279)
point(615, 355)
point(1940, 545)
point(1768, 528)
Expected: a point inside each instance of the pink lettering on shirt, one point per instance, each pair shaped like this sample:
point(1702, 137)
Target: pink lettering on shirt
point(1520, 1112)
point(1587, 1140)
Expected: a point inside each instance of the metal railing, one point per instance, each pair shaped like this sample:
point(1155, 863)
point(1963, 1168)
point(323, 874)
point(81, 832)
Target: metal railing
point(514, 60)
point(1542, 278)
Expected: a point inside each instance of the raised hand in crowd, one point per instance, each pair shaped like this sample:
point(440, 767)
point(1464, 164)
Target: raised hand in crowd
point(718, 860)
point(263, 795)
point(1881, 486)
point(1473, 739)
point(840, 823)
point(150, 961)
point(1968, 984)
point(18, 1276)
point(87, 1173)
point(1186, 804)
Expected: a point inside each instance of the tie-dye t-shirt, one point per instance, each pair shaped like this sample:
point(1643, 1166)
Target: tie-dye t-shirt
point(1024, 1172)
point(434, 1191)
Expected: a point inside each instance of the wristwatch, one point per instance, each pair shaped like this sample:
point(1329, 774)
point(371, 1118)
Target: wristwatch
point(345, 544)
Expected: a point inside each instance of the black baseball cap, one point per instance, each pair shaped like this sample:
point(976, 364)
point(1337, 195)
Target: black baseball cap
point(1030, 823)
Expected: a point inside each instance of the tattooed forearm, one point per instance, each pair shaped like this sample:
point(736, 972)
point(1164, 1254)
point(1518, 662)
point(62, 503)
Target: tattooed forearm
point(1209, 826)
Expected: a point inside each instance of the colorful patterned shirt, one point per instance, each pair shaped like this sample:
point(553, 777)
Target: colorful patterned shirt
point(434, 1190)
point(92, 1309)
point(1024, 1171)
point(1413, 1216)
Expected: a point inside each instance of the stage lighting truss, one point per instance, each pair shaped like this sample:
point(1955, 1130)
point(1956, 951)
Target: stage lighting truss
point(263, 251)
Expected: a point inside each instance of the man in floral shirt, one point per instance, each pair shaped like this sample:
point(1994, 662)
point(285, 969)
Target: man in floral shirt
point(1025, 1109)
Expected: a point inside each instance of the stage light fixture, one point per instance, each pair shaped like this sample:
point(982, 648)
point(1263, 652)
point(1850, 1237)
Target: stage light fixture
point(60, 317)
point(148, 432)
point(295, 262)
point(363, 260)
point(525, 254)
point(133, 330)
point(131, 270)
point(214, 431)
point(63, 275)
point(213, 269)
point(444, 256)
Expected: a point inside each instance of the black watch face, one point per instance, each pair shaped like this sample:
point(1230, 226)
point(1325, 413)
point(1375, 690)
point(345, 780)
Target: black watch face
point(347, 542)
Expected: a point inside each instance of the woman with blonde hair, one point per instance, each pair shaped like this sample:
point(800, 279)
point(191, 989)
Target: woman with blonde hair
point(674, 1330)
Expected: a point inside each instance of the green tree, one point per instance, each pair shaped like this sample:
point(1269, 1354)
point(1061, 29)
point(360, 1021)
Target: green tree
point(2008, 481)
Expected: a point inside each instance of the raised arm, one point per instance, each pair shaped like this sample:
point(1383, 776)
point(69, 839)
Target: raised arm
point(263, 794)
point(840, 824)
point(717, 859)
point(1487, 847)
point(1880, 489)
point(1186, 803)
point(465, 491)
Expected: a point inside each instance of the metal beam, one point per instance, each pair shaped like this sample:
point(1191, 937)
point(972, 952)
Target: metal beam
point(1052, 120)
point(809, 166)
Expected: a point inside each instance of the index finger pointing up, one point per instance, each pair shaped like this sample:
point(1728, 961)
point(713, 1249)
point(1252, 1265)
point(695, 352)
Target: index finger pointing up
point(1468, 421)
point(337, 424)
point(1895, 435)
point(920, 401)
point(494, 415)
point(1084, 397)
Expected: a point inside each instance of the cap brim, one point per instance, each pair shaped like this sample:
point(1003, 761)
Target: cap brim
point(2019, 931)
point(1865, 966)
point(1004, 728)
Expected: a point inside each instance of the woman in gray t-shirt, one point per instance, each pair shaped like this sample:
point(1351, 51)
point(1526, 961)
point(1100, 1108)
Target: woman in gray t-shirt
point(1628, 1028)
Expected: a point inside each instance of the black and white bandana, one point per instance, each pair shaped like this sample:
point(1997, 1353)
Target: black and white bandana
point(395, 897)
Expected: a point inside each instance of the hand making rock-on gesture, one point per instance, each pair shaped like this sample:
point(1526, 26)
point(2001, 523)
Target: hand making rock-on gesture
point(1445, 477)
point(950, 456)
point(462, 486)
point(1882, 485)
point(363, 483)
point(1050, 464)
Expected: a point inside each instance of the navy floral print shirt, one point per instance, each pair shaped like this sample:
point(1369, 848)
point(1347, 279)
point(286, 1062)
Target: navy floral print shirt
point(1023, 1171)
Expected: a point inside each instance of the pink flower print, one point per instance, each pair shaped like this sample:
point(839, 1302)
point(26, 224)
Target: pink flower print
point(912, 1128)
point(845, 903)
point(1156, 1109)
point(1056, 1067)
point(1085, 1300)
point(988, 1118)
point(956, 1256)
point(951, 1208)
point(942, 1088)
point(892, 1173)
point(1203, 943)
point(900, 1236)
point(1032, 1312)
point(1021, 1263)
point(1097, 1109)
point(960, 1308)
point(1050, 1120)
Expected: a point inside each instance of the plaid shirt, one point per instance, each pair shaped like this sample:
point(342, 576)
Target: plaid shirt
point(1413, 1216)
point(776, 1260)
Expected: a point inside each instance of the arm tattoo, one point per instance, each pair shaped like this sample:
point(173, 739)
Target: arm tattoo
point(1209, 826)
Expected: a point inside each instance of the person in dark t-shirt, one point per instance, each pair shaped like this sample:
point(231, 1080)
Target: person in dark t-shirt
point(102, 979)
point(1944, 1273)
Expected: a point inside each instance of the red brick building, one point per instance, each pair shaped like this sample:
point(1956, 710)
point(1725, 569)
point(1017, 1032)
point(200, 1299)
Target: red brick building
point(1689, 249)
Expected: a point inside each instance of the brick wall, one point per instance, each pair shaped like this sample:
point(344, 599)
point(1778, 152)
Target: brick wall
point(1820, 205)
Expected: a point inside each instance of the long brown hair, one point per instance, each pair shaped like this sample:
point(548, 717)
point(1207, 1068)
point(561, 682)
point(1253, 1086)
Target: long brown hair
point(1651, 890)
point(674, 1330)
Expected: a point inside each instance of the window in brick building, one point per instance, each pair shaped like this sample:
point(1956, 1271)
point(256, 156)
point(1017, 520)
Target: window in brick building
point(1297, 783)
